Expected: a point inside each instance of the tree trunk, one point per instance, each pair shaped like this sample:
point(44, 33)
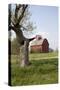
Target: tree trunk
point(24, 54)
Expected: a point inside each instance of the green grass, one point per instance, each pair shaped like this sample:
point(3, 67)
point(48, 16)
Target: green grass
point(38, 56)
point(43, 70)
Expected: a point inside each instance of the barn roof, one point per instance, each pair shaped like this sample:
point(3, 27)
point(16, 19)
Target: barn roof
point(38, 42)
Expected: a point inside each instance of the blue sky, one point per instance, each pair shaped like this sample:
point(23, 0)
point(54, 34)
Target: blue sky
point(46, 20)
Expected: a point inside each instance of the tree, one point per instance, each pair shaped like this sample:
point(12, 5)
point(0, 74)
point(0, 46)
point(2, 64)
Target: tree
point(17, 21)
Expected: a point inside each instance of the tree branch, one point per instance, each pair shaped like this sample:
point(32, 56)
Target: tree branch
point(12, 27)
point(9, 16)
point(17, 9)
point(22, 14)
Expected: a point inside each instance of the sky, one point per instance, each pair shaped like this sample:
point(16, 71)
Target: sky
point(45, 18)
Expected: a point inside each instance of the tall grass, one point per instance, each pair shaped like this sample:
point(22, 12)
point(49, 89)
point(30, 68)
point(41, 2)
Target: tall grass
point(41, 71)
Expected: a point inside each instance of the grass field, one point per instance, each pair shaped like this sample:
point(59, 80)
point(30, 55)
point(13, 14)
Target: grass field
point(43, 70)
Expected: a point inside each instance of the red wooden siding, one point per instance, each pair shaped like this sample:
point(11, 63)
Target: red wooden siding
point(41, 48)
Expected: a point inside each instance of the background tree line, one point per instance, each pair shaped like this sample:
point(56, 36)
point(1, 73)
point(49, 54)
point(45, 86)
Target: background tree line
point(15, 48)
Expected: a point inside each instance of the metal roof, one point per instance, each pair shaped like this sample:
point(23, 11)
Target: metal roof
point(37, 42)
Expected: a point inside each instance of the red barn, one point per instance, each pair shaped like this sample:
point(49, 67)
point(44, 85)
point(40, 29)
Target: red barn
point(39, 45)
